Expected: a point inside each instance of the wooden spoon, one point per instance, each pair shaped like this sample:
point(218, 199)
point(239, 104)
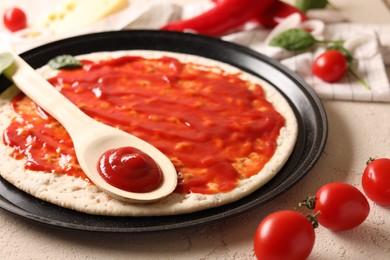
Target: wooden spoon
point(91, 139)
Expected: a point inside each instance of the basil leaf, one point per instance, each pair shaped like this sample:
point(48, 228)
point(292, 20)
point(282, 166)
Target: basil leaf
point(6, 60)
point(64, 62)
point(293, 40)
point(305, 5)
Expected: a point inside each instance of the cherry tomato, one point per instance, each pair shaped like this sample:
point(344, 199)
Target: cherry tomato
point(376, 181)
point(330, 66)
point(341, 206)
point(284, 235)
point(14, 19)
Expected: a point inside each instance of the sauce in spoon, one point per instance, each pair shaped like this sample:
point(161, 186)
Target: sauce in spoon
point(130, 169)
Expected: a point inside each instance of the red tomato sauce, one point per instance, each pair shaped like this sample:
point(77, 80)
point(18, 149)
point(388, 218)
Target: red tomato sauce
point(130, 169)
point(205, 120)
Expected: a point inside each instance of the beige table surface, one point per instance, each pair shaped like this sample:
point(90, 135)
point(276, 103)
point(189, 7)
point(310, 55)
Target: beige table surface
point(356, 132)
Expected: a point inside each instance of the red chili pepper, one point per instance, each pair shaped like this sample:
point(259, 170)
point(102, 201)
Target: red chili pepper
point(226, 16)
point(276, 12)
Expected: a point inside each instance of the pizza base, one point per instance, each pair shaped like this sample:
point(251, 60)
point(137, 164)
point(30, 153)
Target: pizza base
point(76, 194)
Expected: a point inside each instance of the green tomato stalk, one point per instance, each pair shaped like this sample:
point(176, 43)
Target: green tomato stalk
point(305, 5)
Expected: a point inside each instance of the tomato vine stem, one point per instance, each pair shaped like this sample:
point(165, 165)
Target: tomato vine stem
point(309, 202)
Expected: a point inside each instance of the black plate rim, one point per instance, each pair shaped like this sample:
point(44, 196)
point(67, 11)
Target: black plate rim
point(312, 153)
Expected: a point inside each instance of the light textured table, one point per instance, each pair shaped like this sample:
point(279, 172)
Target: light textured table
point(356, 132)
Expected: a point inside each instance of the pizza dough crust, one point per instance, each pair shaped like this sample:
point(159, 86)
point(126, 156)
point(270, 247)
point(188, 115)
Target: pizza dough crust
point(76, 194)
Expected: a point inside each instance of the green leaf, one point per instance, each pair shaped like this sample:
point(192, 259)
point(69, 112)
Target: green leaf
point(293, 40)
point(6, 60)
point(64, 62)
point(305, 5)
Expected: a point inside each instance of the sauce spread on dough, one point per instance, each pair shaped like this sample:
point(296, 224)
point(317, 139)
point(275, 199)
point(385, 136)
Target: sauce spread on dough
point(130, 169)
point(215, 127)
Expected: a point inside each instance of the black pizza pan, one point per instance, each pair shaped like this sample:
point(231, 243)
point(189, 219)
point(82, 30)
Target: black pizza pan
point(312, 123)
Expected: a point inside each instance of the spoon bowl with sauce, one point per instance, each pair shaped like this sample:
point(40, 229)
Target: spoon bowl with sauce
point(122, 165)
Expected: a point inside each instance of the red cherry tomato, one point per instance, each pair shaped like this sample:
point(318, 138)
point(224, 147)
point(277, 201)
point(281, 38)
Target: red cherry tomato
point(376, 181)
point(341, 206)
point(14, 19)
point(284, 235)
point(330, 66)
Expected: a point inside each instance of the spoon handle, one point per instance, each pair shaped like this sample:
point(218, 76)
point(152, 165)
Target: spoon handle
point(46, 96)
